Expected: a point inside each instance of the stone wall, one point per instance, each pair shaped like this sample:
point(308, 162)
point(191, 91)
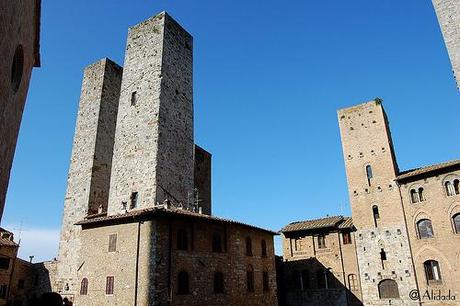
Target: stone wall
point(376, 202)
point(89, 171)
point(202, 179)
point(448, 12)
point(19, 32)
point(153, 154)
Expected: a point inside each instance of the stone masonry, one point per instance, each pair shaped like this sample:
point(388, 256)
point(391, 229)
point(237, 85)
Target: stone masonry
point(448, 12)
point(382, 239)
point(89, 171)
point(19, 53)
point(153, 153)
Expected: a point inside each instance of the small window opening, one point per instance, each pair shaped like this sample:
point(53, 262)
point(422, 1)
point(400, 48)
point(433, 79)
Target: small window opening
point(133, 98)
point(134, 199)
point(265, 281)
point(346, 236)
point(321, 241)
point(376, 214)
point(369, 174)
point(17, 68)
point(109, 284)
point(263, 246)
point(248, 246)
point(383, 257)
point(182, 240)
point(250, 279)
point(113, 243)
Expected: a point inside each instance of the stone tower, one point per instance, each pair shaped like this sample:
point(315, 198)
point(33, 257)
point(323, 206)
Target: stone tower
point(154, 149)
point(382, 241)
point(90, 165)
point(448, 13)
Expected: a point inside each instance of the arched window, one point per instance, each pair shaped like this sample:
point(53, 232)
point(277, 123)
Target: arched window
point(250, 279)
point(182, 240)
point(376, 214)
point(414, 196)
point(84, 286)
point(432, 271)
point(388, 289)
point(424, 228)
point(217, 242)
point(421, 195)
point(263, 246)
point(248, 246)
point(352, 282)
point(218, 282)
point(456, 186)
point(456, 222)
point(449, 188)
point(182, 283)
point(369, 174)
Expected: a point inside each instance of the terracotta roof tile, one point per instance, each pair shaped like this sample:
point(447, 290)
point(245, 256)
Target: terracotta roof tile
point(424, 170)
point(333, 221)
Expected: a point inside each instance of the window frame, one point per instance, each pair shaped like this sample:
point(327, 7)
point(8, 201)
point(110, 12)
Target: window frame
point(109, 285)
point(84, 286)
point(424, 222)
point(432, 267)
point(183, 283)
point(112, 247)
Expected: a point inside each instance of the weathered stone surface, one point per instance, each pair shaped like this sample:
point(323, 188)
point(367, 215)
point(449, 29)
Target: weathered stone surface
point(89, 171)
point(19, 32)
point(202, 179)
point(448, 12)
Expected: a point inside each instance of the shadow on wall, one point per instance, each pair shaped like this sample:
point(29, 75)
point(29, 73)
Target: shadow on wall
point(308, 282)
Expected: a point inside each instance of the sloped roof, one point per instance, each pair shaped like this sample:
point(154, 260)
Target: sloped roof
point(161, 210)
point(428, 169)
point(334, 222)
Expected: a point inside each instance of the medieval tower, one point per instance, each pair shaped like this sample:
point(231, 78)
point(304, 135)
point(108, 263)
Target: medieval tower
point(133, 146)
point(382, 243)
point(89, 171)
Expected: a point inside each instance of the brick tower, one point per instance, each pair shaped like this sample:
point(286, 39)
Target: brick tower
point(154, 149)
point(384, 256)
point(89, 172)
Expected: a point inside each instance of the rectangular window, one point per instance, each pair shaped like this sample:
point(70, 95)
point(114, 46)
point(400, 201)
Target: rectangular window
point(134, 198)
point(265, 281)
point(109, 285)
point(4, 263)
point(3, 291)
point(346, 237)
point(321, 242)
point(21, 283)
point(133, 98)
point(113, 243)
point(250, 281)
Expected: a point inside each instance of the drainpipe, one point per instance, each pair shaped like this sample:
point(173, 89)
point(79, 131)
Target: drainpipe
point(136, 285)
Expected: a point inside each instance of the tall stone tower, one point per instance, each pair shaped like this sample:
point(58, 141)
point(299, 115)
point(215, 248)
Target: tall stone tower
point(382, 243)
point(90, 165)
point(448, 12)
point(154, 149)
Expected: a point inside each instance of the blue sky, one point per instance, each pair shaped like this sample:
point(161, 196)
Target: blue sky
point(268, 80)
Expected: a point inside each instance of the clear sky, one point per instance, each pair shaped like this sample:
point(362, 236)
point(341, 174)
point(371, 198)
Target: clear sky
point(268, 79)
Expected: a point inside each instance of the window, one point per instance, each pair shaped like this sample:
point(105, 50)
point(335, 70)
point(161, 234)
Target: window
point(346, 236)
point(250, 279)
point(376, 214)
point(263, 246)
point(414, 196)
point(421, 195)
point(456, 221)
point(449, 189)
point(113, 243)
point(369, 174)
point(432, 271)
point(425, 229)
point(304, 280)
point(297, 244)
point(182, 240)
point(352, 282)
point(134, 198)
point(3, 291)
point(388, 289)
point(217, 242)
point(17, 68)
point(265, 281)
point(321, 241)
point(456, 186)
point(4, 263)
point(109, 285)
point(182, 283)
point(248, 246)
point(218, 282)
point(84, 286)
point(133, 98)
point(383, 257)
point(21, 284)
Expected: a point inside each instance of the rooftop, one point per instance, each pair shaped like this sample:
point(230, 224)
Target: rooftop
point(427, 170)
point(161, 211)
point(338, 222)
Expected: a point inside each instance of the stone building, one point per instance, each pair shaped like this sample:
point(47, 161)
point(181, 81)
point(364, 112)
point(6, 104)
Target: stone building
point(19, 53)
point(170, 256)
point(137, 183)
point(407, 222)
point(448, 13)
point(319, 263)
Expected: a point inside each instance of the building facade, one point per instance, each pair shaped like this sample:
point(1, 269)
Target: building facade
point(319, 263)
point(448, 13)
point(19, 51)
